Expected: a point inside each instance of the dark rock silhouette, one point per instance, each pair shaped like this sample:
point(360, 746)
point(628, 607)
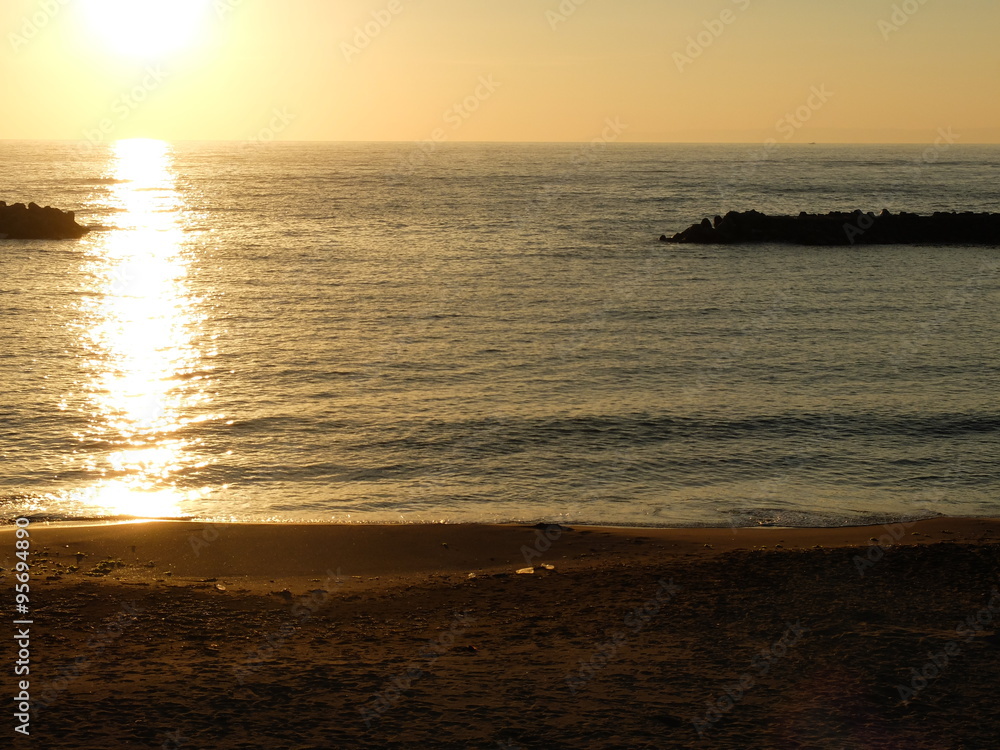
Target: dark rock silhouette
point(840, 228)
point(32, 222)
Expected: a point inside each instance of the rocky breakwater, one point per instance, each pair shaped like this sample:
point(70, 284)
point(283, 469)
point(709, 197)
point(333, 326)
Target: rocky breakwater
point(842, 228)
point(32, 222)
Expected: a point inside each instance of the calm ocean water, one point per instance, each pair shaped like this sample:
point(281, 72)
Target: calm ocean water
point(369, 332)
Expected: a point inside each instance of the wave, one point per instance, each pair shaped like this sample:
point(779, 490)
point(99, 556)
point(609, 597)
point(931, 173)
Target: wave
point(601, 432)
point(96, 181)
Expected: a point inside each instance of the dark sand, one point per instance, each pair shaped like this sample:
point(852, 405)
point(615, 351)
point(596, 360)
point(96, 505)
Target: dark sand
point(242, 636)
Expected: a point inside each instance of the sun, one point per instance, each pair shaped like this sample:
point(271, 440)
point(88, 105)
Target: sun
point(146, 29)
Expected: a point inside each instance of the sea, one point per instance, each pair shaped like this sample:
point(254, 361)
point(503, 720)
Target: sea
point(455, 332)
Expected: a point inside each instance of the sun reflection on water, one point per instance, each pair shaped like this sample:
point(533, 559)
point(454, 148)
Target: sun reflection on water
point(146, 374)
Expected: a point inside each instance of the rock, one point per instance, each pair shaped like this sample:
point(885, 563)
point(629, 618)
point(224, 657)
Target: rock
point(33, 222)
point(846, 228)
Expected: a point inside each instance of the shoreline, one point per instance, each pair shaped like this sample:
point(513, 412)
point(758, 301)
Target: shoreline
point(189, 520)
point(153, 550)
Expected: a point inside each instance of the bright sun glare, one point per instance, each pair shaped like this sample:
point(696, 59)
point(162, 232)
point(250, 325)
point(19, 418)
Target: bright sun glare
point(140, 334)
point(146, 28)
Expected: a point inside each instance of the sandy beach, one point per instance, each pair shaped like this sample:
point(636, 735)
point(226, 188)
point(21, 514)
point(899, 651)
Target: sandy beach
point(188, 635)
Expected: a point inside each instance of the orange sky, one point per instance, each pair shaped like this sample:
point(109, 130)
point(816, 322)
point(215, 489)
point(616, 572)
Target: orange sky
point(501, 70)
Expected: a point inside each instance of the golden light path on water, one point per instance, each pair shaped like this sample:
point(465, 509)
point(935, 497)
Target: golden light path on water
point(139, 329)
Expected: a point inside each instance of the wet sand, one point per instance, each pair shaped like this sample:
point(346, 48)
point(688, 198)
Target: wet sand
point(174, 634)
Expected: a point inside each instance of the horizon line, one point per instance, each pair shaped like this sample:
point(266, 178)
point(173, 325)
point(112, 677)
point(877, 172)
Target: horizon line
point(496, 142)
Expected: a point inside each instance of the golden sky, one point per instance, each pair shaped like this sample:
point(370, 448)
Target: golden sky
point(501, 70)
